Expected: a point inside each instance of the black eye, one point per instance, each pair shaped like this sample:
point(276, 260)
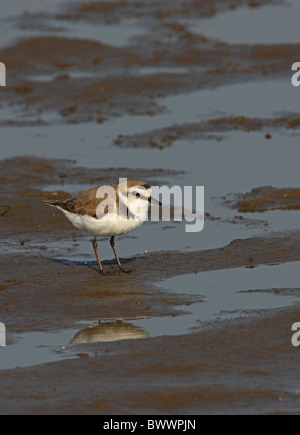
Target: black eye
point(137, 195)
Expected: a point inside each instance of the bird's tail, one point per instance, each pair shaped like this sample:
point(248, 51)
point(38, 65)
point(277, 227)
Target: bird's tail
point(54, 203)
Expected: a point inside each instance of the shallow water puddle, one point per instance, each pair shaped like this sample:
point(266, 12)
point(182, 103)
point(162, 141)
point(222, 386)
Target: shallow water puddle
point(10, 8)
point(256, 99)
point(133, 71)
point(13, 26)
point(47, 78)
point(34, 348)
point(226, 294)
point(62, 141)
point(277, 24)
point(257, 162)
point(152, 70)
point(220, 174)
point(11, 13)
point(118, 35)
point(233, 292)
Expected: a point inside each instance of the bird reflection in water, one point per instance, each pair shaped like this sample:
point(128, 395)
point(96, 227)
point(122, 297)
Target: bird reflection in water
point(107, 331)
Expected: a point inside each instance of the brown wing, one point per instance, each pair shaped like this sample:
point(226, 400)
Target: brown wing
point(84, 204)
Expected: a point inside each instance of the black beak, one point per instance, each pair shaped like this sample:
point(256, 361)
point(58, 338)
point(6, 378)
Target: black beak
point(154, 201)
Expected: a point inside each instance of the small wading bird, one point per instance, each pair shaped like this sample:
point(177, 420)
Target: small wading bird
point(109, 211)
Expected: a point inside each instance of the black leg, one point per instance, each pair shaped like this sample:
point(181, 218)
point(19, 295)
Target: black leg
point(95, 246)
point(120, 267)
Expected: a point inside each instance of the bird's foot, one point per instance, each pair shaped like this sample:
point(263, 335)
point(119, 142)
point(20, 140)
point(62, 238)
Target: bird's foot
point(122, 269)
point(102, 272)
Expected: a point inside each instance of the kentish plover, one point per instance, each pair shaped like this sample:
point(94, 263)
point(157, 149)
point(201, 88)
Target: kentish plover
point(109, 211)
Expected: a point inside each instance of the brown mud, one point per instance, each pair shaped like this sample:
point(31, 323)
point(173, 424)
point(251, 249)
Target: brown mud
point(210, 129)
point(116, 89)
point(228, 368)
point(264, 199)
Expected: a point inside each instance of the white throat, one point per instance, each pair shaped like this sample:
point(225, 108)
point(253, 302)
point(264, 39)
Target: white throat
point(134, 208)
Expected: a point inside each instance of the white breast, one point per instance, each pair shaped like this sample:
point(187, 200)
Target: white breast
point(108, 226)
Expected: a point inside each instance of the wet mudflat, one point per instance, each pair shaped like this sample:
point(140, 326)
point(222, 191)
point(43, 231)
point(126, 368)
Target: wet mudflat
point(160, 92)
